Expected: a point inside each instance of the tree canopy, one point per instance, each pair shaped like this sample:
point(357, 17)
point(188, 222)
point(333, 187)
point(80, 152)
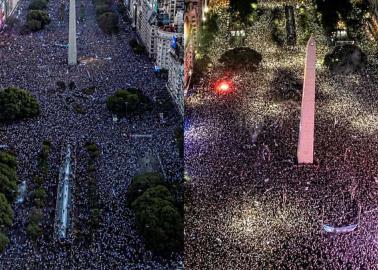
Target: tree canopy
point(6, 212)
point(128, 101)
point(286, 85)
point(107, 19)
point(345, 59)
point(4, 241)
point(207, 32)
point(349, 11)
point(38, 5)
point(108, 22)
point(17, 104)
point(8, 192)
point(8, 177)
point(158, 220)
point(34, 230)
point(141, 183)
point(241, 57)
point(158, 213)
point(244, 8)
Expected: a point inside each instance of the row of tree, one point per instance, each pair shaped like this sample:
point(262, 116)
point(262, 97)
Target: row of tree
point(91, 221)
point(330, 13)
point(39, 194)
point(350, 12)
point(158, 208)
point(8, 193)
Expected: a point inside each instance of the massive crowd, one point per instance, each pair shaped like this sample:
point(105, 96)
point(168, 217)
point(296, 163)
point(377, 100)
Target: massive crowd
point(36, 62)
point(249, 204)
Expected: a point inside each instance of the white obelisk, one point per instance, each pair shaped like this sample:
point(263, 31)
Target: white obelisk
point(305, 152)
point(72, 50)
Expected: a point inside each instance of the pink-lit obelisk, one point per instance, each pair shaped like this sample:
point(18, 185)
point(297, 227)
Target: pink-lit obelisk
point(306, 130)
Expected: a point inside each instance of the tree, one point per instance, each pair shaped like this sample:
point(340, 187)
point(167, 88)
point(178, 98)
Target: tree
point(108, 22)
point(200, 68)
point(35, 216)
point(286, 85)
point(159, 220)
point(244, 8)
point(39, 196)
point(346, 59)
point(8, 177)
point(4, 241)
point(34, 25)
point(241, 57)
point(304, 24)
point(38, 5)
point(141, 183)
point(94, 219)
point(17, 104)
point(6, 213)
point(350, 11)
point(34, 231)
point(39, 15)
point(355, 20)
point(8, 182)
point(8, 159)
point(93, 150)
point(128, 101)
point(277, 26)
point(103, 2)
point(207, 33)
point(137, 47)
point(101, 9)
point(61, 85)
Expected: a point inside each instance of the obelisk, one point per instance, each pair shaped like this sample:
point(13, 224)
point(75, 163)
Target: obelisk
point(72, 50)
point(305, 152)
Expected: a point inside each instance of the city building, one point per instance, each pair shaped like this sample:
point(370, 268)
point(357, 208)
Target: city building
point(152, 18)
point(169, 48)
point(164, 38)
point(143, 15)
point(372, 20)
point(374, 4)
point(7, 7)
point(191, 23)
point(195, 13)
point(175, 84)
point(2, 13)
point(160, 27)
